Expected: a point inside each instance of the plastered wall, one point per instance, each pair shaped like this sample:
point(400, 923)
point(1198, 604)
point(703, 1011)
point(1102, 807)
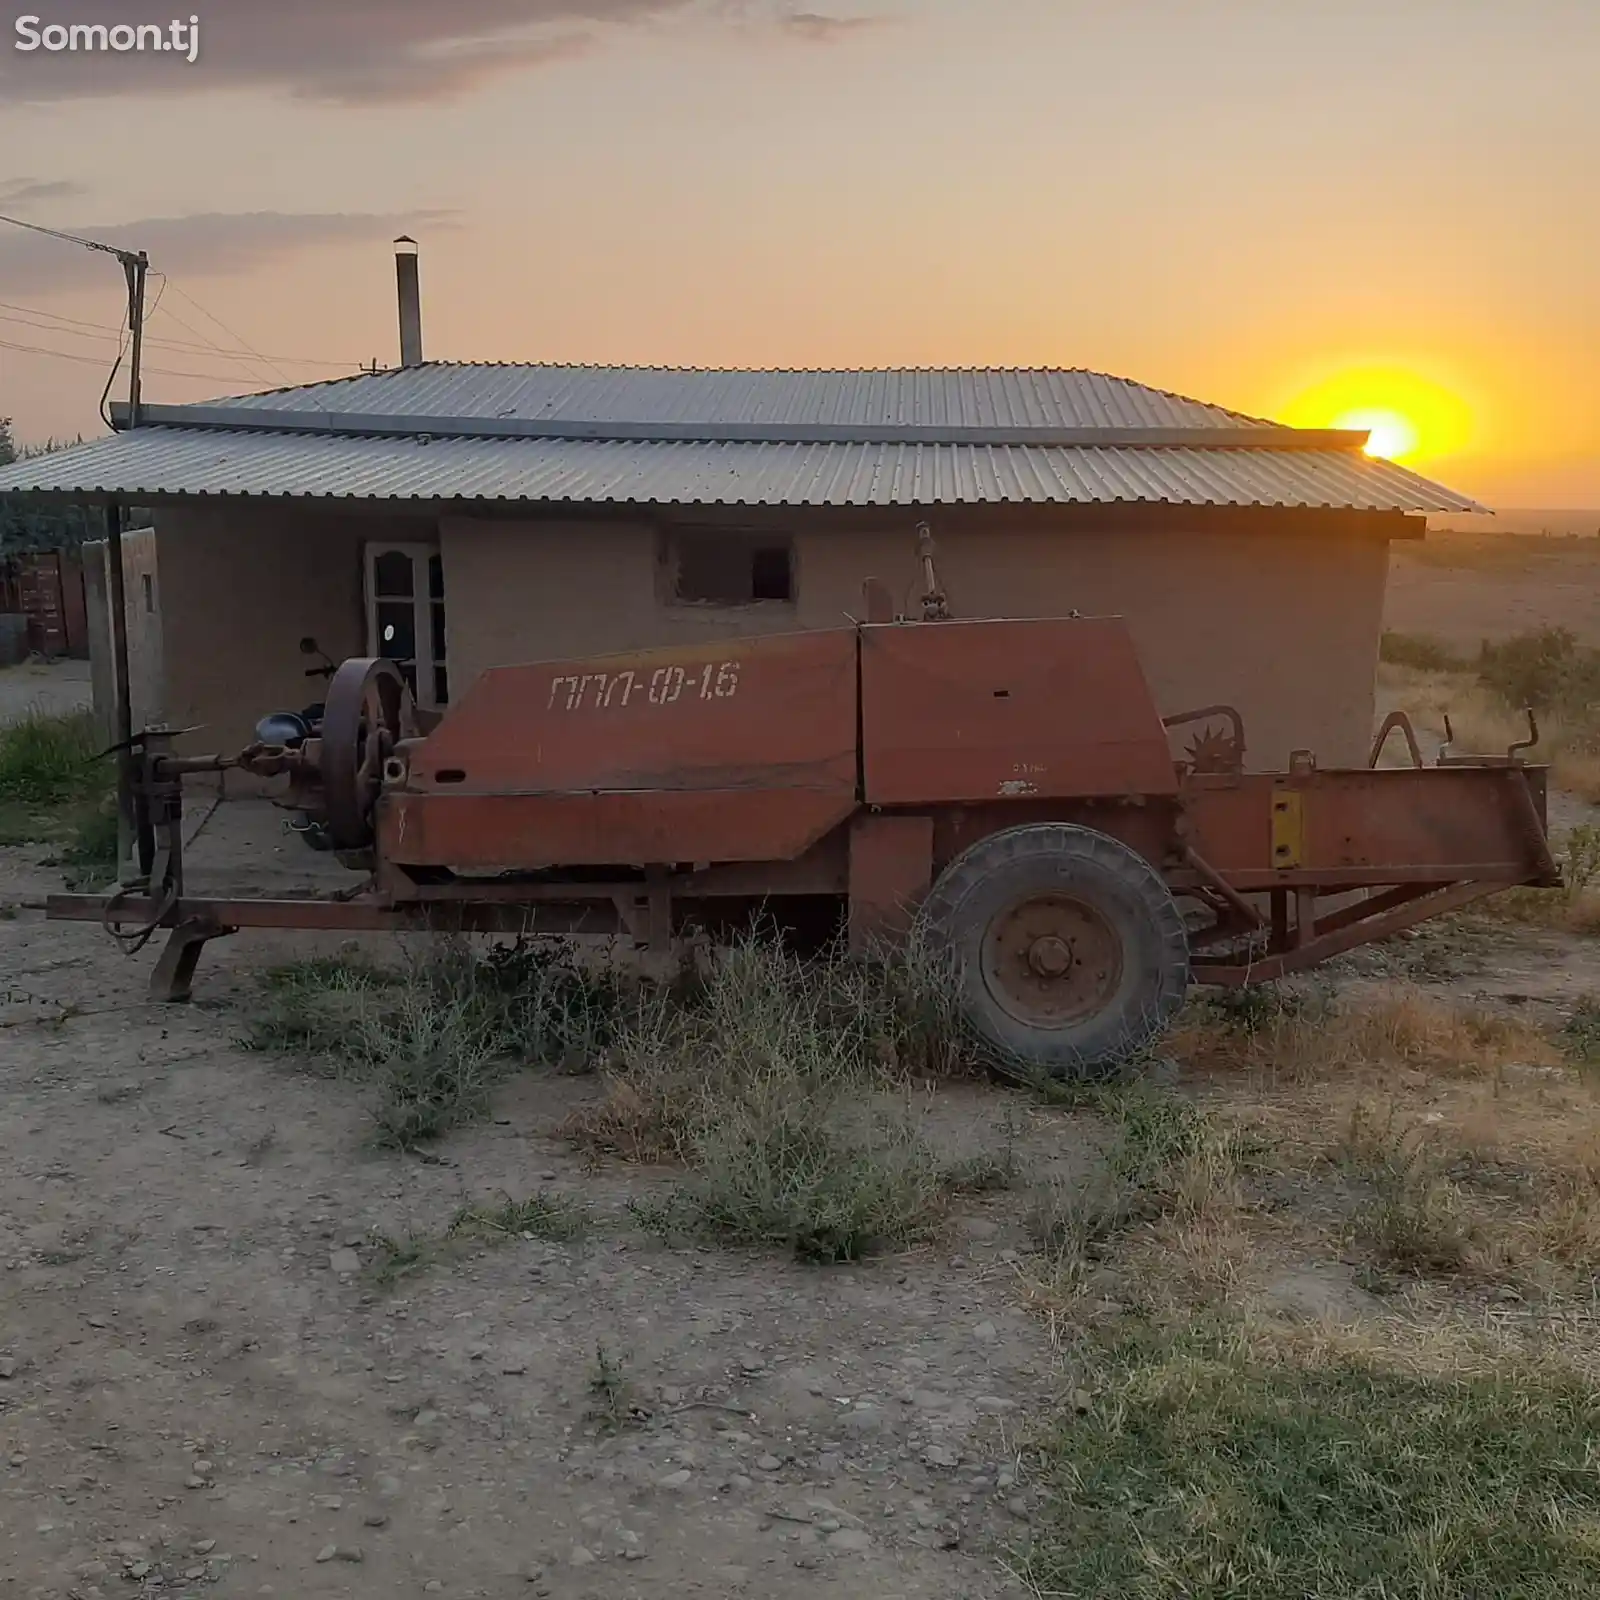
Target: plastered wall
point(1285, 627)
point(239, 590)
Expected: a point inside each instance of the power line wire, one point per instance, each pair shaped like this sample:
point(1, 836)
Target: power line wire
point(99, 361)
point(135, 265)
point(135, 332)
point(232, 333)
point(111, 378)
point(227, 355)
point(160, 296)
point(70, 238)
point(207, 344)
point(57, 316)
point(109, 337)
point(55, 322)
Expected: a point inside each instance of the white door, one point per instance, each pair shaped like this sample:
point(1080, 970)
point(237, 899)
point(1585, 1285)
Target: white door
point(405, 616)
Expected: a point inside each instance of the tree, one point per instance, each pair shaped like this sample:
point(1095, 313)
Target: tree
point(39, 524)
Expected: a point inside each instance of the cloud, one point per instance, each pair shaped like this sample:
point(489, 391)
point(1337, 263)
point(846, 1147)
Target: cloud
point(359, 52)
point(349, 52)
point(442, 75)
point(17, 194)
point(817, 27)
point(210, 244)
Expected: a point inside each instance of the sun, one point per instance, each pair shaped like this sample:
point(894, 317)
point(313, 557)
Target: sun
point(1406, 415)
point(1390, 435)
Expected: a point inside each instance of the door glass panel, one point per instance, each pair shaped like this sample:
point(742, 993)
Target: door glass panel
point(397, 630)
point(441, 685)
point(392, 575)
point(435, 577)
point(438, 633)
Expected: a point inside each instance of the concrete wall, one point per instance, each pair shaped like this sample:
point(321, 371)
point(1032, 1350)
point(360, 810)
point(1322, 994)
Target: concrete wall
point(240, 590)
point(147, 682)
point(531, 591)
point(1284, 625)
point(1280, 621)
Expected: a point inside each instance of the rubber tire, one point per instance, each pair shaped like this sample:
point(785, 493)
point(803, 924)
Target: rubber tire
point(1121, 885)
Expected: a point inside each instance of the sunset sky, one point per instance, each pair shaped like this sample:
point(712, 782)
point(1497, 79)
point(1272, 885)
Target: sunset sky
point(1380, 213)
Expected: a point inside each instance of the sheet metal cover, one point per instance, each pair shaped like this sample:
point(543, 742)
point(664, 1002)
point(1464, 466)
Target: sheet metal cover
point(971, 711)
point(477, 834)
point(1403, 823)
point(769, 712)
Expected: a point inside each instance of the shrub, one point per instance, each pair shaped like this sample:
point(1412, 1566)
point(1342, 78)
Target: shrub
point(1580, 859)
point(827, 1181)
point(1422, 652)
point(556, 1217)
point(438, 1034)
point(90, 854)
point(51, 760)
point(772, 1082)
point(1546, 669)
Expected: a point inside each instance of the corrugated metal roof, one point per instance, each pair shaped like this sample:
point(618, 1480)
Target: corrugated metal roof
point(160, 462)
point(999, 398)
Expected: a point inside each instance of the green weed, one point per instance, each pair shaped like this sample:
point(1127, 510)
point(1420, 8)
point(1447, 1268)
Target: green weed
point(1209, 1468)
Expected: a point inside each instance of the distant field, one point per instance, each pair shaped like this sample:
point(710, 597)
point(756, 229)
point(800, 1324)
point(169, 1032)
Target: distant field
point(1554, 522)
point(1466, 587)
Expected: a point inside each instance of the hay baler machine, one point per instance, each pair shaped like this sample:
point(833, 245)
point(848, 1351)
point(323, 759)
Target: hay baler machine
point(1006, 792)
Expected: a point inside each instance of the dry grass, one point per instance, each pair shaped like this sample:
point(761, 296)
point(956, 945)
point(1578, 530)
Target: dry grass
point(1554, 909)
point(1168, 1202)
point(1439, 1140)
point(1308, 1036)
point(434, 1035)
point(1471, 1138)
point(1414, 1217)
point(1485, 725)
point(785, 1088)
point(757, 1017)
point(548, 1216)
point(1191, 1204)
point(1441, 1200)
point(1573, 908)
point(1434, 1171)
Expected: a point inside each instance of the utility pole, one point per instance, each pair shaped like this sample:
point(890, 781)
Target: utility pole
point(135, 267)
point(132, 822)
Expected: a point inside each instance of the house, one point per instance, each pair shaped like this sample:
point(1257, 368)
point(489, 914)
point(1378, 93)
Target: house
point(459, 516)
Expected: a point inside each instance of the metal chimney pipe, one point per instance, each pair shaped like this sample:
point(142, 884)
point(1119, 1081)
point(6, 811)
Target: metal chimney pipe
point(410, 293)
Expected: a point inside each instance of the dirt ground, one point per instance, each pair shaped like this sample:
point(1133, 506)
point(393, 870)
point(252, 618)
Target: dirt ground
point(35, 686)
point(201, 1393)
point(1463, 589)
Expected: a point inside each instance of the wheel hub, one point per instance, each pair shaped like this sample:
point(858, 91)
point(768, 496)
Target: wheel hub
point(1050, 957)
point(1051, 960)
